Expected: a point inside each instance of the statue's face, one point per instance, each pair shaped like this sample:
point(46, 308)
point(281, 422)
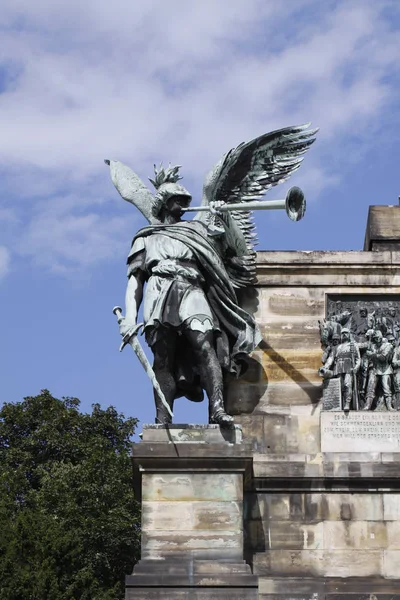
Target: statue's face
point(176, 205)
point(363, 312)
point(378, 337)
point(335, 341)
point(345, 336)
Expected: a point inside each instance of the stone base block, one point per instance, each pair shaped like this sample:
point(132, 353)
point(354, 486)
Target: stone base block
point(190, 480)
point(177, 579)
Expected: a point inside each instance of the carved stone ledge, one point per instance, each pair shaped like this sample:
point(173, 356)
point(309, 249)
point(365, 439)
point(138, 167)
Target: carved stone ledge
point(372, 471)
point(181, 579)
point(328, 269)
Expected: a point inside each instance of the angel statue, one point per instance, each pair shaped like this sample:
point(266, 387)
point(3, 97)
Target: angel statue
point(188, 273)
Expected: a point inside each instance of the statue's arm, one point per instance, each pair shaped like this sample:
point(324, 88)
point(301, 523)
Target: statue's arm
point(330, 361)
point(136, 280)
point(357, 359)
point(134, 296)
point(385, 353)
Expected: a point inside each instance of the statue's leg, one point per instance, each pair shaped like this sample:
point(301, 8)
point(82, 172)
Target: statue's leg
point(347, 388)
point(371, 389)
point(211, 377)
point(163, 366)
point(387, 391)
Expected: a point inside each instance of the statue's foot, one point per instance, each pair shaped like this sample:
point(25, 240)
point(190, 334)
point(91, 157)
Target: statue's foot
point(223, 420)
point(166, 421)
point(367, 407)
point(390, 407)
point(346, 407)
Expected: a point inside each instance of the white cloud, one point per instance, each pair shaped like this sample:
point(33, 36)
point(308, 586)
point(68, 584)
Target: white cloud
point(146, 81)
point(4, 261)
point(65, 238)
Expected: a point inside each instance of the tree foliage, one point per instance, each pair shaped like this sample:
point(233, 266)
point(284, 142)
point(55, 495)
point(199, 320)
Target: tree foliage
point(68, 519)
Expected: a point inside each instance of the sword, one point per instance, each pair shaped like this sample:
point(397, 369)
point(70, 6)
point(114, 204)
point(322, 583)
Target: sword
point(130, 338)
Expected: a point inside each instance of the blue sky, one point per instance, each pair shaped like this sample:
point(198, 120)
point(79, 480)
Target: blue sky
point(150, 81)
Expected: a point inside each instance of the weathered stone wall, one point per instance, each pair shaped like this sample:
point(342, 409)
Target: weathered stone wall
point(322, 538)
point(317, 525)
point(282, 382)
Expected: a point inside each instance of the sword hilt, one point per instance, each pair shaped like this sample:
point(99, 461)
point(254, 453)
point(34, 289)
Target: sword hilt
point(117, 310)
point(134, 330)
point(130, 334)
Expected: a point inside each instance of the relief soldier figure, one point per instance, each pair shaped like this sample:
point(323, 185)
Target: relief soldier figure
point(396, 375)
point(379, 321)
point(361, 324)
point(328, 329)
point(374, 329)
point(365, 344)
point(392, 321)
point(345, 363)
point(330, 351)
point(189, 274)
point(380, 372)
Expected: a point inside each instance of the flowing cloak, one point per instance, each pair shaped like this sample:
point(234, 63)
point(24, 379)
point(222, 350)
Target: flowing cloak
point(237, 334)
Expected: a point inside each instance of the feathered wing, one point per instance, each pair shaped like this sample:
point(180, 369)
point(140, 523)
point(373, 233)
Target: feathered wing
point(245, 173)
point(132, 189)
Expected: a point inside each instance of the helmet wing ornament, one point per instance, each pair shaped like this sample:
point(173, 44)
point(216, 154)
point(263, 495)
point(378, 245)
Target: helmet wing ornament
point(133, 190)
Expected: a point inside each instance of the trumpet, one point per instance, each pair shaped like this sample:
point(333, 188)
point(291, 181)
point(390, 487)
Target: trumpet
point(294, 204)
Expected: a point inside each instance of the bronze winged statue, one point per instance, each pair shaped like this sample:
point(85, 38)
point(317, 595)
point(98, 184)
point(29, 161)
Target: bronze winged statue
point(187, 274)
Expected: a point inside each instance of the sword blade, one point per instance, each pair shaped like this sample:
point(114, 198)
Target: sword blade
point(138, 350)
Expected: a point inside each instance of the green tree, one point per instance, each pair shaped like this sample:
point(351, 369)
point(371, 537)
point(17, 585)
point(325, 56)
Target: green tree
point(69, 523)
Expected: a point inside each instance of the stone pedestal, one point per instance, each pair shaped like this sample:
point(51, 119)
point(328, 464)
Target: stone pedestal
point(191, 480)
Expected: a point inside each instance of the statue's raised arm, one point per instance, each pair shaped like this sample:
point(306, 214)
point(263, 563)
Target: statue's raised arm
point(186, 273)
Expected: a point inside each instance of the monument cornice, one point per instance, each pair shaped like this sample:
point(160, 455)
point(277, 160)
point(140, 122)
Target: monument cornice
point(328, 268)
